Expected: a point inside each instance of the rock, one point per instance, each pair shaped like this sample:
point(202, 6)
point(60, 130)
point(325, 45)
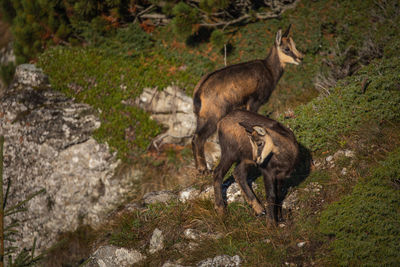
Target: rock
point(158, 197)
point(221, 261)
point(173, 108)
point(156, 241)
point(111, 256)
point(170, 264)
point(191, 234)
point(196, 235)
point(350, 154)
point(301, 244)
point(207, 193)
point(231, 189)
point(291, 201)
point(212, 152)
point(48, 145)
point(188, 194)
point(28, 74)
point(329, 159)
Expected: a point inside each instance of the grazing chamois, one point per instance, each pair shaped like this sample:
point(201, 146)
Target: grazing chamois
point(254, 141)
point(248, 85)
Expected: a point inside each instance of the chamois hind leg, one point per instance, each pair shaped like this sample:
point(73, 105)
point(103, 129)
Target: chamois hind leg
point(240, 175)
point(219, 174)
point(204, 129)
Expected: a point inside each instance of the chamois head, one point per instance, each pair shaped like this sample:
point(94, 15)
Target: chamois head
point(260, 140)
point(286, 47)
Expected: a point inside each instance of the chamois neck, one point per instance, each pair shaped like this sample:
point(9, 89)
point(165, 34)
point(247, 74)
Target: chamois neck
point(274, 64)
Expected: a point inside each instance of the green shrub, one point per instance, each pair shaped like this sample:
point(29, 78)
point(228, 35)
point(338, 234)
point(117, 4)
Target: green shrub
point(185, 19)
point(321, 123)
point(366, 224)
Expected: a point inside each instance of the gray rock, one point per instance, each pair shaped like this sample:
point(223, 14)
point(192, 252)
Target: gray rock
point(111, 256)
point(188, 194)
point(329, 158)
point(291, 201)
point(301, 244)
point(350, 154)
point(158, 197)
point(48, 145)
point(219, 261)
point(174, 109)
point(28, 74)
point(156, 241)
point(193, 234)
point(170, 264)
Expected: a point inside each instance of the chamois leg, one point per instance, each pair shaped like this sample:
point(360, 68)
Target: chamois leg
point(219, 174)
point(270, 191)
point(279, 197)
point(273, 179)
point(240, 175)
point(205, 128)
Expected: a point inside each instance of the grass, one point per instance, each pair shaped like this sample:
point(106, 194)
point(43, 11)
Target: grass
point(365, 225)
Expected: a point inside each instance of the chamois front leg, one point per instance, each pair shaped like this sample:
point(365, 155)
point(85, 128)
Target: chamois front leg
point(240, 174)
point(273, 179)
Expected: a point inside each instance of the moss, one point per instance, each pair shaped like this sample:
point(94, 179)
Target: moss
point(366, 224)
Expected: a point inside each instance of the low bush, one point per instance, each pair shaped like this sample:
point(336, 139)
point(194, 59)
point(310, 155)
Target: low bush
point(320, 123)
point(365, 225)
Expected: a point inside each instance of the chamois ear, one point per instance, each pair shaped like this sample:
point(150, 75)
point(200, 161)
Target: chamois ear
point(260, 130)
point(278, 37)
point(287, 31)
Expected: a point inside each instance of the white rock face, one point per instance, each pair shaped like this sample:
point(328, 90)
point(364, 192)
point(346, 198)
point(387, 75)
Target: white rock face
point(111, 256)
point(156, 241)
point(48, 145)
point(158, 197)
point(223, 260)
point(174, 109)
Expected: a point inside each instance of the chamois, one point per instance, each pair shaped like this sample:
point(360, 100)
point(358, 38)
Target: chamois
point(248, 85)
point(254, 141)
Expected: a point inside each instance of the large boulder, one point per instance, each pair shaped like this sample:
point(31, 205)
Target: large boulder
point(174, 109)
point(48, 145)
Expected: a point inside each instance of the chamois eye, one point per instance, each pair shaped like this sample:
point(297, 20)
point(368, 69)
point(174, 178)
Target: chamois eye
point(259, 144)
point(287, 50)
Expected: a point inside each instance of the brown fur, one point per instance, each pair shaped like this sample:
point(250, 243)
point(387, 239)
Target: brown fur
point(247, 85)
point(233, 131)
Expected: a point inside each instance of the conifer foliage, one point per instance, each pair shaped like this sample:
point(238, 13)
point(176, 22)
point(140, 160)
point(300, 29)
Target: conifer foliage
point(42, 23)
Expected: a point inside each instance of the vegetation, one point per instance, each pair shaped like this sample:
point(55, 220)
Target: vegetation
point(345, 95)
point(321, 123)
point(365, 225)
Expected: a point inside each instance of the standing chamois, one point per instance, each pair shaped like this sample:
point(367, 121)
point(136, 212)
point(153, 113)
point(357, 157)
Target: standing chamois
point(248, 85)
point(254, 141)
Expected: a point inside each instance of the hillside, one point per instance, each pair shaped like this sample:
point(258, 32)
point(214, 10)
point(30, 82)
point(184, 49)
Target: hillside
point(342, 103)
